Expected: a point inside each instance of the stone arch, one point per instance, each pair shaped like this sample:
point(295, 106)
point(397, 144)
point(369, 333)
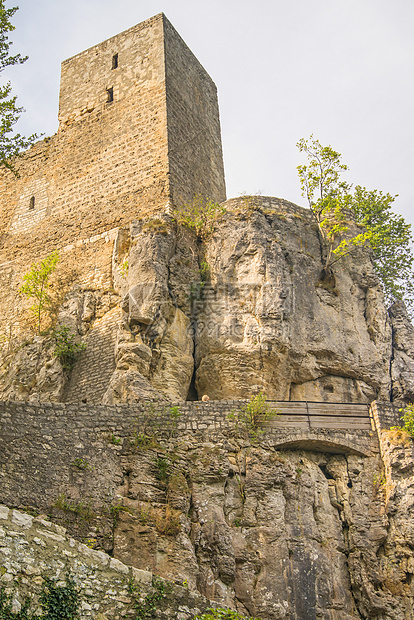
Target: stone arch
point(315, 444)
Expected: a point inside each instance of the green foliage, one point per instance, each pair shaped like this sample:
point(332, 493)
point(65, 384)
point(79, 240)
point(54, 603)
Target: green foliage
point(251, 415)
point(327, 194)
point(10, 145)
point(144, 515)
point(145, 432)
point(124, 268)
point(390, 238)
point(37, 284)
point(204, 271)
point(6, 607)
point(115, 510)
point(59, 602)
point(114, 439)
point(80, 463)
point(199, 215)
point(386, 233)
point(81, 509)
point(66, 349)
point(221, 613)
point(147, 606)
point(379, 480)
point(408, 419)
point(163, 469)
point(56, 602)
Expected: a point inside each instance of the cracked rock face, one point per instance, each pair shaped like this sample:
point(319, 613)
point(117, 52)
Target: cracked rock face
point(402, 365)
point(246, 308)
point(252, 303)
point(274, 534)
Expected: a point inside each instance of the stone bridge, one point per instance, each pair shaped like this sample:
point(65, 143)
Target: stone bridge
point(26, 428)
point(39, 443)
point(339, 428)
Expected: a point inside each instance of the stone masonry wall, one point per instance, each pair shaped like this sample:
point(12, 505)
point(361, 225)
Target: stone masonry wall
point(111, 161)
point(34, 548)
point(40, 443)
point(194, 144)
point(91, 374)
point(254, 525)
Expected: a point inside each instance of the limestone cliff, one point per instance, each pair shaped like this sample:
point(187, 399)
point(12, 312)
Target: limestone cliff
point(323, 530)
point(244, 309)
point(304, 527)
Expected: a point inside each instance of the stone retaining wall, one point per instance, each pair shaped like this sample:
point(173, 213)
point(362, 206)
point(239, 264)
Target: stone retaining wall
point(41, 444)
point(34, 548)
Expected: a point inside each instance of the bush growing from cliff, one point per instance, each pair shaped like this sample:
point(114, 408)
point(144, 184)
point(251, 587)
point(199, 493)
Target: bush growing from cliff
point(146, 606)
point(408, 419)
point(249, 417)
point(386, 233)
point(37, 285)
point(67, 349)
point(199, 215)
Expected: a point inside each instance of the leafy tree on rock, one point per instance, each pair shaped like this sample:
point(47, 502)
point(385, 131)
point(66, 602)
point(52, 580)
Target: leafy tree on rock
point(385, 232)
point(36, 285)
point(11, 144)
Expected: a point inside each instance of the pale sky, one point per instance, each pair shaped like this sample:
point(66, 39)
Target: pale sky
point(340, 69)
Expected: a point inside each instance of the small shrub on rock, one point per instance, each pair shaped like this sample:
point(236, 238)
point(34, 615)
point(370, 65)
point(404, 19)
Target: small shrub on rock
point(66, 349)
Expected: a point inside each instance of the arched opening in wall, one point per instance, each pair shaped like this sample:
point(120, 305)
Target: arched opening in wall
point(110, 95)
point(115, 61)
point(32, 203)
point(318, 445)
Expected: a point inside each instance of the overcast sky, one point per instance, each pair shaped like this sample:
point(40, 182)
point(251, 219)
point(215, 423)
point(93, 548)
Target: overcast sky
point(341, 69)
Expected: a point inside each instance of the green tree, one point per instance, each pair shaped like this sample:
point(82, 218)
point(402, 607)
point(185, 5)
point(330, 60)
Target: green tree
point(37, 283)
point(11, 144)
point(328, 197)
point(390, 238)
point(386, 233)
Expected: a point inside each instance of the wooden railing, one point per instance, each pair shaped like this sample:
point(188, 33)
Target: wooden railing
point(311, 415)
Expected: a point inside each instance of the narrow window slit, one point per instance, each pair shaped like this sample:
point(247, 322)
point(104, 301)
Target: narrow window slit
point(115, 61)
point(110, 93)
point(32, 202)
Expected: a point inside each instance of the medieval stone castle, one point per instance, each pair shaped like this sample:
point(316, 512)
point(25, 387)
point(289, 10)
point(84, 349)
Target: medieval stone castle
point(139, 130)
point(115, 470)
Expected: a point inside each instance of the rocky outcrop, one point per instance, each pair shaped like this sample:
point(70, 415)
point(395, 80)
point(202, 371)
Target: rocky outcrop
point(402, 363)
point(253, 298)
point(33, 373)
point(243, 307)
point(316, 531)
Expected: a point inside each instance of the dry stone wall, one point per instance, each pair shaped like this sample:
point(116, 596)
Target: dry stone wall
point(32, 549)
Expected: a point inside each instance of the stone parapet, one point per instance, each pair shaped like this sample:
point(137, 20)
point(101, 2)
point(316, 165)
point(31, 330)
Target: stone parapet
point(385, 415)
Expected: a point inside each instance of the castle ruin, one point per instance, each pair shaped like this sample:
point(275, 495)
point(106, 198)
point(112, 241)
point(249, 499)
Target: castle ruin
point(305, 515)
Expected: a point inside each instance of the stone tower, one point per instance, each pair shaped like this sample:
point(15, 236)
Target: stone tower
point(138, 130)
